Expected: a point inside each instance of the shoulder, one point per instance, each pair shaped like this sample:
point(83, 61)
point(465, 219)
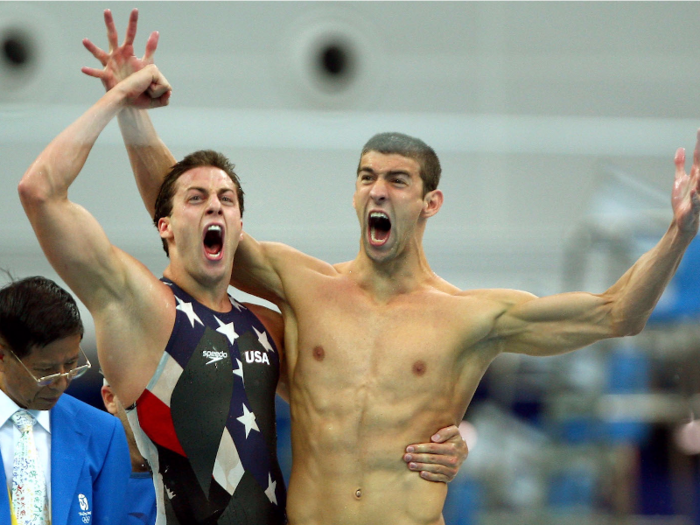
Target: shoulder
point(491, 306)
point(502, 296)
point(87, 416)
point(291, 259)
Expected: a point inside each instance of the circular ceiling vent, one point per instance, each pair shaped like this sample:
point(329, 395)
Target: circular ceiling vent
point(28, 43)
point(331, 60)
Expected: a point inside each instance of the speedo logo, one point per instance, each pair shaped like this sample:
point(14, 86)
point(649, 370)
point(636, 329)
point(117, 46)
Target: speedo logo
point(214, 356)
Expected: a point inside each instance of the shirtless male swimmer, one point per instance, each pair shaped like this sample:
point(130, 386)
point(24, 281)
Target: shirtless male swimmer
point(379, 348)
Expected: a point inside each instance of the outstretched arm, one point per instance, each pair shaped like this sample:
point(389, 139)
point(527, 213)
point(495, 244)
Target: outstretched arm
point(564, 322)
point(150, 158)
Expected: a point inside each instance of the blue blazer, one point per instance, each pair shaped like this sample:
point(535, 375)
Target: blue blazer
point(90, 467)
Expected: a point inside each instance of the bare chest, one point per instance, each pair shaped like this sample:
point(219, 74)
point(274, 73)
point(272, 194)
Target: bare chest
point(346, 338)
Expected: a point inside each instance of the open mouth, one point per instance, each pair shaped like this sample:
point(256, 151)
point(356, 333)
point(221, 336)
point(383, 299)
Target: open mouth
point(213, 241)
point(379, 228)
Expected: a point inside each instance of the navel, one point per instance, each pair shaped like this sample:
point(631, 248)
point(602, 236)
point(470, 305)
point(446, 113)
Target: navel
point(358, 494)
point(319, 353)
point(419, 368)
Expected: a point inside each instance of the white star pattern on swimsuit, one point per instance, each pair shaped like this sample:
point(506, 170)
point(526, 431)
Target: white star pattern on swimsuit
point(238, 306)
point(227, 329)
point(270, 491)
point(248, 420)
point(263, 340)
point(188, 309)
point(239, 370)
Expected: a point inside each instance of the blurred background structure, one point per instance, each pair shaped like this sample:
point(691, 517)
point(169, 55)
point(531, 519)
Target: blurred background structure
point(556, 125)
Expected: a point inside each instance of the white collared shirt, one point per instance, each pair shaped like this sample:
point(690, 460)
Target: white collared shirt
point(9, 435)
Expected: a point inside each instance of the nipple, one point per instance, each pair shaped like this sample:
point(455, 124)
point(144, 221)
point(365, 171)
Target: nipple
point(358, 493)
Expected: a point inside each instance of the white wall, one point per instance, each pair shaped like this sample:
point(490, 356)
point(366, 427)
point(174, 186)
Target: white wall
point(527, 104)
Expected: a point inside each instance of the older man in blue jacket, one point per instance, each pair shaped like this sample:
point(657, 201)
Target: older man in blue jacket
point(44, 433)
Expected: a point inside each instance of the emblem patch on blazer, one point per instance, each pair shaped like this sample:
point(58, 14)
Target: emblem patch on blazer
point(86, 515)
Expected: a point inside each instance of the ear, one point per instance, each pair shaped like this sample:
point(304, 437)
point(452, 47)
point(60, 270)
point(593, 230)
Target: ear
point(109, 399)
point(432, 202)
point(164, 227)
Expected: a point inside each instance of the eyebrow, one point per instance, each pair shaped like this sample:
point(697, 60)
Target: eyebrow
point(388, 173)
point(203, 189)
point(51, 364)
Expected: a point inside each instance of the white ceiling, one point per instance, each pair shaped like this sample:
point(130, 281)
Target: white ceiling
point(530, 106)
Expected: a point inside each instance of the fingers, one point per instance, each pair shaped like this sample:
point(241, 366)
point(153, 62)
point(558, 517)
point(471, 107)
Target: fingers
point(438, 460)
point(696, 159)
point(445, 434)
point(159, 84)
point(112, 37)
point(679, 161)
point(91, 71)
point(151, 45)
point(164, 99)
point(157, 90)
point(98, 53)
point(433, 472)
point(131, 28)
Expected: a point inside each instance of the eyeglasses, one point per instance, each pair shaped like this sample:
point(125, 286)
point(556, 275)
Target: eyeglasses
point(50, 379)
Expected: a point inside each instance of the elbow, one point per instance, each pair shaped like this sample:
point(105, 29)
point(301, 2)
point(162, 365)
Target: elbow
point(636, 328)
point(629, 327)
point(32, 192)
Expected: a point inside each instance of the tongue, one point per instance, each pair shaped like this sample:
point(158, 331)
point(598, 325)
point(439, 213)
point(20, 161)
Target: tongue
point(212, 248)
point(378, 236)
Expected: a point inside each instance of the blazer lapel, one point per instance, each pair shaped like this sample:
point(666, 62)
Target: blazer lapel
point(68, 446)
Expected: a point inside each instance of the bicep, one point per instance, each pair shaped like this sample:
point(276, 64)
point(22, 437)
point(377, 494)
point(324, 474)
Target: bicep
point(76, 246)
point(555, 324)
point(258, 268)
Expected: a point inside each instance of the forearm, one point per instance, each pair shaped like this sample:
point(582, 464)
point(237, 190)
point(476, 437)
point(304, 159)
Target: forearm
point(636, 293)
point(58, 165)
point(150, 158)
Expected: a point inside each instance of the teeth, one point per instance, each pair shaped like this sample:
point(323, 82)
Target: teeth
point(378, 215)
point(214, 228)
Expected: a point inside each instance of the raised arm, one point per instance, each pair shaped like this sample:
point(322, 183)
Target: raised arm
point(560, 323)
point(120, 293)
point(150, 158)
point(71, 238)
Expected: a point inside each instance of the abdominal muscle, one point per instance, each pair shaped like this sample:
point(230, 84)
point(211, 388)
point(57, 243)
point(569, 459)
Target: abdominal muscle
point(348, 467)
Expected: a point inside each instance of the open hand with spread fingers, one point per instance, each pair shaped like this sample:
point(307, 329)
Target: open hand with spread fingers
point(685, 199)
point(120, 61)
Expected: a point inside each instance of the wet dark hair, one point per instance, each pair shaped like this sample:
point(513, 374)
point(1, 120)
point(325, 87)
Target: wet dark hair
point(164, 201)
point(35, 312)
point(411, 147)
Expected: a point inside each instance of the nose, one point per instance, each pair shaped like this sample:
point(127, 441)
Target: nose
point(214, 206)
point(60, 384)
point(378, 191)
